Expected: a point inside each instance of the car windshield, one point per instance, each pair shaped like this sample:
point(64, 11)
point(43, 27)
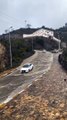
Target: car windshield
point(27, 65)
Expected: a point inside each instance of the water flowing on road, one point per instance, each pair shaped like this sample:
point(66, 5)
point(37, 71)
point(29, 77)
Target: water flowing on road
point(16, 82)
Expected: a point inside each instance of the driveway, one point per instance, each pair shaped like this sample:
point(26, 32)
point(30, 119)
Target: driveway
point(16, 82)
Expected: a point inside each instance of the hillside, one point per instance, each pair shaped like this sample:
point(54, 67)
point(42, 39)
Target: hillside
point(62, 34)
point(18, 34)
point(21, 48)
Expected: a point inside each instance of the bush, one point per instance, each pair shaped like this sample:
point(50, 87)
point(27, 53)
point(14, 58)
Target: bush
point(62, 58)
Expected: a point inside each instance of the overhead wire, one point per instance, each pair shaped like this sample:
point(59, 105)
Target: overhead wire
point(9, 19)
point(13, 18)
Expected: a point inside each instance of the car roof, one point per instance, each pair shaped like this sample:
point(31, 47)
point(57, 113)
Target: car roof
point(27, 64)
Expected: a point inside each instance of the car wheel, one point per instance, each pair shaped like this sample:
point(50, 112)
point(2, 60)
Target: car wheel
point(27, 71)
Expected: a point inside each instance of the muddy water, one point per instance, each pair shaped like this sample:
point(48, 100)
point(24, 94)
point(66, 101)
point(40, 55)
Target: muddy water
point(16, 82)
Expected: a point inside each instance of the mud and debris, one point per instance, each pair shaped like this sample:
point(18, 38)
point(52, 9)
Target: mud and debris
point(45, 99)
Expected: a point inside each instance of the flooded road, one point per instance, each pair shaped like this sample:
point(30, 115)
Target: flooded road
point(16, 82)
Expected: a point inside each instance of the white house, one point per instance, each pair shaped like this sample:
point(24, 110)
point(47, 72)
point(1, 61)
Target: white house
point(40, 32)
point(45, 34)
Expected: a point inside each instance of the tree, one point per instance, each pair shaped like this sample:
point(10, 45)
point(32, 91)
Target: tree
point(28, 25)
point(43, 27)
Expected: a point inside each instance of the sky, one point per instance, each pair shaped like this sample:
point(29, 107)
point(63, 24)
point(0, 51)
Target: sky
point(18, 13)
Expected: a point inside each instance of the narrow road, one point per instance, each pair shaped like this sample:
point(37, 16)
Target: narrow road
point(17, 82)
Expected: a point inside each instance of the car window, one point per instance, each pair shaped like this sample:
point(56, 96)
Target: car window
point(26, 65)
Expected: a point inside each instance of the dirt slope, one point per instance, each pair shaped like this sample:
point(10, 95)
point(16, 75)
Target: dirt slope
point(3, 59)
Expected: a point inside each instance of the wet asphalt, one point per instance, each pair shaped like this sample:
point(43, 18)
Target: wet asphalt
point(11, 83)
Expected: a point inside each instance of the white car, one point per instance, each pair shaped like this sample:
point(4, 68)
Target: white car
point(26, 68)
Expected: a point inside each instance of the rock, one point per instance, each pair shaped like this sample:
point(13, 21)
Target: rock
point(18, 117)
point(62, 105)
point(62, 119)
point(51, 115)
point(65, 114)
point(32, 112)
point(57, 115)
point(30, 118)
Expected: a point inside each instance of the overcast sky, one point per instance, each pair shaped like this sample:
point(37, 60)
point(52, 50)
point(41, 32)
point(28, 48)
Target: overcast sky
point(50, 13)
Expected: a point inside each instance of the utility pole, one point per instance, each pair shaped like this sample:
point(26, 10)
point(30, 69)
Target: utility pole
point(8, 30)
point(59, 41)
point(25, 23)
point(32, 44)
point(10, 50)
